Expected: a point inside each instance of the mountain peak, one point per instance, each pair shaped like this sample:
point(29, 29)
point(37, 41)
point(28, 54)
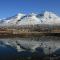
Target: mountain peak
point(50, 14)
point(19, 15)
point(31, 19)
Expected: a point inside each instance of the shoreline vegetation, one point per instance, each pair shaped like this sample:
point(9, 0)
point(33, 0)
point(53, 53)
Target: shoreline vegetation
point(28, 34)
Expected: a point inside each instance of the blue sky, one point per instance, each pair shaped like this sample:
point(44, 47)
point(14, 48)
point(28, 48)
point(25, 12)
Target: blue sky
point(12, 7)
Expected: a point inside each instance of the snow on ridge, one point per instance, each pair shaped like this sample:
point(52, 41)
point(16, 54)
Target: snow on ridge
point(28, 19)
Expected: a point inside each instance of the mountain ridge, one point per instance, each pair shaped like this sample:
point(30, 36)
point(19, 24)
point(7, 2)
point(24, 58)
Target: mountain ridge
point(48, 18)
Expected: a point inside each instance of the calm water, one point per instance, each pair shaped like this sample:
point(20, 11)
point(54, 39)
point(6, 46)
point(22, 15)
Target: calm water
point(29, 48)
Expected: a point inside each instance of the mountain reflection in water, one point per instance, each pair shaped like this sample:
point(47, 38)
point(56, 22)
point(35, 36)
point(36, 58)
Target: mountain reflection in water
point(30, 48)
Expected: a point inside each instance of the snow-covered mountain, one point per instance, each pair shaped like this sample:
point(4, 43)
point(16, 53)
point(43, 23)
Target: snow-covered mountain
point(31, 19)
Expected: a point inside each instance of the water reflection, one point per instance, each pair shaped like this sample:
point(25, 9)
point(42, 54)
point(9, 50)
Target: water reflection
point(29, 48)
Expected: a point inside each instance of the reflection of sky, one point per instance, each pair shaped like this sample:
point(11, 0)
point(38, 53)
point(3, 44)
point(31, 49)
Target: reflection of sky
point(11, 7)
